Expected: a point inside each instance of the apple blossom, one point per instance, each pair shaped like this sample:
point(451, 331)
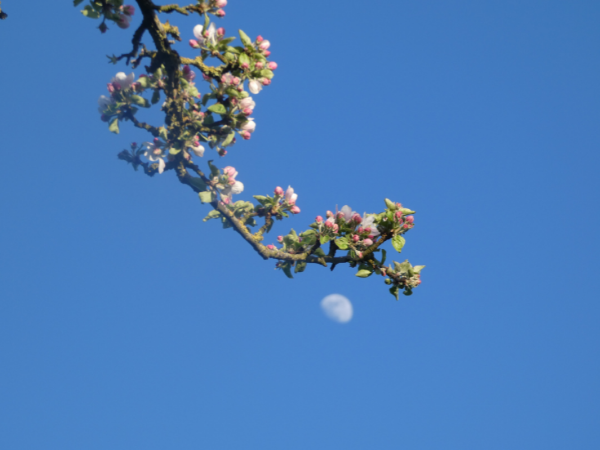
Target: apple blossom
point(254, 86)
point(205, 35)
point(410, 219)
point(319, 219)
point(122, 80)
point(279, 191)
point(272, 65)
point(249, 126)
point(123, 21)
point(369, 222)
point(128, 9)
point(259, 65)
point(295, 210)
point(264, 45)
point(368, 242)
point(220, 3)
point(290, 197)
point(104, 102)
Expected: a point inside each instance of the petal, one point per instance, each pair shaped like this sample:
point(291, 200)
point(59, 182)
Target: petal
point(237, 188)
point(198, 32)
point(161, 165)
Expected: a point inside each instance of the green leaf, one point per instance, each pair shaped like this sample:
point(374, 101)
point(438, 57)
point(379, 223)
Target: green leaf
point(155, 96)
point(90, 12)
point(266, 73)
point(162, 132)
point(383, 256)
point(390, 204)
point(197, 183)
point(300, 266)
point(245, 39)
point(342, 243)
point(408, 292)
point(76, 2)
point(214, 170)
point(228, 139)
point(394, 291)
point(218, 108)
point(364, 273)
point(244, 59)
point(114, 125)
point(140, 101)
point(417, 269)
point(407, 211)
point(319, 252)
point(206, 197)
point(214, 214)
point(226, 41)
point(398, 242)
point(324, 239)
point(174, 151)
point(144, 81)
point(287, 270)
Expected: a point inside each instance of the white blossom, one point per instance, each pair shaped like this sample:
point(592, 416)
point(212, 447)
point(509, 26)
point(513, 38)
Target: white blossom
point(212, 31)
point(255, 86)
point(369, 222)
point(290, 197)
point(125, 81)
point(104, 102)
point(248, 126)
point(155, 153)
point(198, 150)
point(348, 213)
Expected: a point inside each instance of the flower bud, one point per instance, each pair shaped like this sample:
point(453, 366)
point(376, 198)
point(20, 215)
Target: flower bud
point(104, 118)
point(259, 39)
point(319, 219)
point(265, 81)
point(280, 238)
point(356, 218)
point(194, 43)
point(245, 66)
point(368, 242)
point(295, 210)
point(245, 135)
point(272, 65)
point(328, 224)
point(335, 227)
point(156, 141)
point(340, 215)
point(360, 230)
point(110, 87)
point(122, 21)
point(359, 254)
point(279, 191)
point(329, 214)
point(267, 53)
point(264, 45)
point(221, 31)
point(133, 145)
point(405, 226)
point(221, 3)
point(271, 247)
point(259, 65)
point(206, 77)
point(398, 215)
point(103, 27)
point(355, 238)
point(410, 219)
point(235, 80)
point(220, 13)
point(129, 10)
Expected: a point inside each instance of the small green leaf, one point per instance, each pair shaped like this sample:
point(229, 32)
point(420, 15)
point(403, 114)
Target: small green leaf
point(244, 59)
point(114, 125)
point(140, 101)
point(383, 256)
point(245, 39)
point(206, 197)
point(398, 242)
point(174, 151)
point(364, 273)
point(229, 139)
point(417, 269)
point(197, 183)
point(300, 266)
point(76, 2)
point(342, 243)
point(218, 108)
point(324, 239)
point(394, 291)
point(214, 170)
point(162, 132)
point(287, 270)
point(214, 214)
point(390, 204)
point(155, 96)
point(88, 11)
point(319, 252)
point(266, 73)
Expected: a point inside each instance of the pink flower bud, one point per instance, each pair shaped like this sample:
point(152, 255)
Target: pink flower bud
point(206, 77)
point(356, 218)
point(221, 3)
point(129, 10)
point(359, 254)
point(340, 215)
point(235, 80)
point(368, 242)
point(264, 45)
point(110, 87)
point(259, 39)
point(410, 219)
point(194, 43)
point(405, 226)
point(123, 21)
point(280, 238)
point(355, 238)
point(398, 215)
point(220, 13)
point(329, 214)
point(367, 230)
point(245, 66)
point(370, 236)
point(245, 135)
point(295, 210)
point(335, 227)
point(104, 118)
point(319, 219)
point(328, 224)
point(271, 247)
point(221, 31)
point(259, 65)
point(230, 171)
point(267, 53)
point(247, 111)
point(399, 205)
point(279, 191)
point(272, 65)
point(265, 81)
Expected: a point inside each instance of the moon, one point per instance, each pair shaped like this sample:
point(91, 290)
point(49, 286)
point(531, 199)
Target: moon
point(337, 307)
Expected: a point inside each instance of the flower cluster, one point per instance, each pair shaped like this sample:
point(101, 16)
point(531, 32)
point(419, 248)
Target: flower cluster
point(227, 184)
point(113, 10)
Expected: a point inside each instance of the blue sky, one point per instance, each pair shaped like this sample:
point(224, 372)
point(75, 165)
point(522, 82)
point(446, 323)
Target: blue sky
point(126, 322)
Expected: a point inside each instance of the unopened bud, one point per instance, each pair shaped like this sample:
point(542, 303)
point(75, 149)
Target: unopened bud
point(194, 43)
point(220, 13)
point(272, 65)
point(368, 242)
point(221, 3)
point(279, 191)
point(355, 238)
point(356, 218)
point(259, 65)
point(221, 31)
point(267, 53)
point(271, 247)
point(259, 39)
point(319, 219)
point(245, 66)
point(280, 238)
point(410, 219)
point(295, 210)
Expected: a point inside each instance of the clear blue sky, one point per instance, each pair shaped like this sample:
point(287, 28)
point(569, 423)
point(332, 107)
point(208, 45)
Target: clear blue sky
point(127, 323)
